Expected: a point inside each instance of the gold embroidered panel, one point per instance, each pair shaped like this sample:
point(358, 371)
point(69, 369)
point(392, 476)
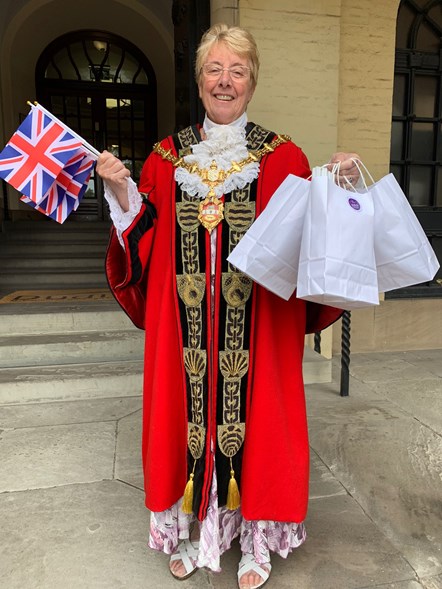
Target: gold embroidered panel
point(236, 291)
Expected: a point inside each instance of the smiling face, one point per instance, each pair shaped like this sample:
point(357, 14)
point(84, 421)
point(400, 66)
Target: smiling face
point(224, 98)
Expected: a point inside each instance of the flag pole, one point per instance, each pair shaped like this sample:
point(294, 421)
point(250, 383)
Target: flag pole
point(87, 145)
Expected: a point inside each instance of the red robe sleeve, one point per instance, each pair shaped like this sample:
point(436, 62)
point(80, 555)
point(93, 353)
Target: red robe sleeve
point(126, 267)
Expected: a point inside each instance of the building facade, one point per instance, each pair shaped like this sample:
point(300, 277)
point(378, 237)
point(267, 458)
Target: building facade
point(336, 75)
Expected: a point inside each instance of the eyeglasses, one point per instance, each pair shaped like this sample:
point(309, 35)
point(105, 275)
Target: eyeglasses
point(237, 72)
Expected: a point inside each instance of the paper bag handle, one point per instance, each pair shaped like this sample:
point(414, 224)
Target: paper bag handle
point(361, 168)
point(335, 173)
point(358, 164)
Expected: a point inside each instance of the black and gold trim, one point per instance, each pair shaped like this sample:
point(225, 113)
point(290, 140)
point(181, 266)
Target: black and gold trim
point(221, 395)
point(143, 222)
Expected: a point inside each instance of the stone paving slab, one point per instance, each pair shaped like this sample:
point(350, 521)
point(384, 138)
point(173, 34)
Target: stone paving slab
point(421, 399)
point(386, 458)
point(50, 456)
point(341, 538)
point(375, 511)
point(400, 585)
point(433, 583)
point(385, 367)
point(430, 360)
point(128, 461)
point(128, 465)
point(94, 536)
point(90, 536)
point(322, 482)
point(344, 550)
point(67, 412)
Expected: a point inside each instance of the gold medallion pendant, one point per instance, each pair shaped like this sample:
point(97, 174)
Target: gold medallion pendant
point(210, 212)
point(211, 208)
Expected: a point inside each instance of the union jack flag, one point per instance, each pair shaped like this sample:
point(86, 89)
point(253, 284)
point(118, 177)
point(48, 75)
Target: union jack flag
point(36, 154)
point(66, 191)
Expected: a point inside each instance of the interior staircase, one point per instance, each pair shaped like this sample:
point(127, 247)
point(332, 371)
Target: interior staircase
point(45, 255)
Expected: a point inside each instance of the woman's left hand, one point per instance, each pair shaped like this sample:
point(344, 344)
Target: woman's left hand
point(348, 171)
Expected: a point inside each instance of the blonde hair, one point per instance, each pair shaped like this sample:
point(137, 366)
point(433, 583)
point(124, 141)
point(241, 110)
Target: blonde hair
point(238, 40)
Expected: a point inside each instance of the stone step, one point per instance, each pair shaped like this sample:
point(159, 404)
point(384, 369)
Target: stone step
point(52, 279)
point(70, 382)
point(61, 318)
point(62, 248)
point(48, 262)
point(53, 236)
point(47, 255)
point(49, 225)
point(70, 348)
point(49, 286)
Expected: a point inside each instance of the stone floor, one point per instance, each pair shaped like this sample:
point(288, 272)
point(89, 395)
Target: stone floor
point(71, 504)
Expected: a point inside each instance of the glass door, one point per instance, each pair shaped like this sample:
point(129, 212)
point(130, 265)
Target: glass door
point(104, 89)
point(118, 124)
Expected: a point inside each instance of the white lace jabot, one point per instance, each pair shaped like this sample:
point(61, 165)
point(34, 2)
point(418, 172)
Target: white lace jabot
point(224, 144)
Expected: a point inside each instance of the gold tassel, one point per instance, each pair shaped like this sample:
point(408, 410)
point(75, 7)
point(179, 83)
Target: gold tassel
point(187, 506)
point(233, 498)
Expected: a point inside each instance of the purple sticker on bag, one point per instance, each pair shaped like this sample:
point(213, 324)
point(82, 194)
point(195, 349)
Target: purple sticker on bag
point(354, 204)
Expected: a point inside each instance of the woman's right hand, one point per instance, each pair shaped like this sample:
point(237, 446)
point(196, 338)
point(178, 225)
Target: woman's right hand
point(115, 174)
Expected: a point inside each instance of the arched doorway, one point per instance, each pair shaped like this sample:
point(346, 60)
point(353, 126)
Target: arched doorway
point(104, 88)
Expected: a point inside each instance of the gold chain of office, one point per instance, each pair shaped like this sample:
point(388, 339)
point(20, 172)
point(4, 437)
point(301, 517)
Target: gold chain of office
point(211, 208)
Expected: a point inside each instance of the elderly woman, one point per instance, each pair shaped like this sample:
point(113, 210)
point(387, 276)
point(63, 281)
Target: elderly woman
point(225, 449)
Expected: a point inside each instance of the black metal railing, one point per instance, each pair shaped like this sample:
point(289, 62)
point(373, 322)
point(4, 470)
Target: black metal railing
point(345, 352)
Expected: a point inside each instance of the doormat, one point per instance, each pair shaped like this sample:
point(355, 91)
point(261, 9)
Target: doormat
point(82, 295)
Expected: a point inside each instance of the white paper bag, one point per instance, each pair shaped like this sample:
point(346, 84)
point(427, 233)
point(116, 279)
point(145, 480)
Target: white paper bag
point(403, 253)
point(269, 250)
point(337, 264)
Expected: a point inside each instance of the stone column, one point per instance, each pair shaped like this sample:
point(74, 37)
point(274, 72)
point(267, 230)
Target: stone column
point(224, 11)
point(366, 70)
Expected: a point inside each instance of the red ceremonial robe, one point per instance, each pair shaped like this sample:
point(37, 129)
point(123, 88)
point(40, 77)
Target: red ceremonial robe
point(148, 278)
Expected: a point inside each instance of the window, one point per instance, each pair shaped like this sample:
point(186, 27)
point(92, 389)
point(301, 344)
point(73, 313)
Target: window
point(416, 146)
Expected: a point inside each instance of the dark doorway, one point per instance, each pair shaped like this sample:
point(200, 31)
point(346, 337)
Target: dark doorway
point(190, 19)
point(104, 88)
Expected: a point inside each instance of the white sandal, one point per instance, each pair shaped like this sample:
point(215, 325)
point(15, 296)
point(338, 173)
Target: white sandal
point(247, 564)
point(187, 552)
